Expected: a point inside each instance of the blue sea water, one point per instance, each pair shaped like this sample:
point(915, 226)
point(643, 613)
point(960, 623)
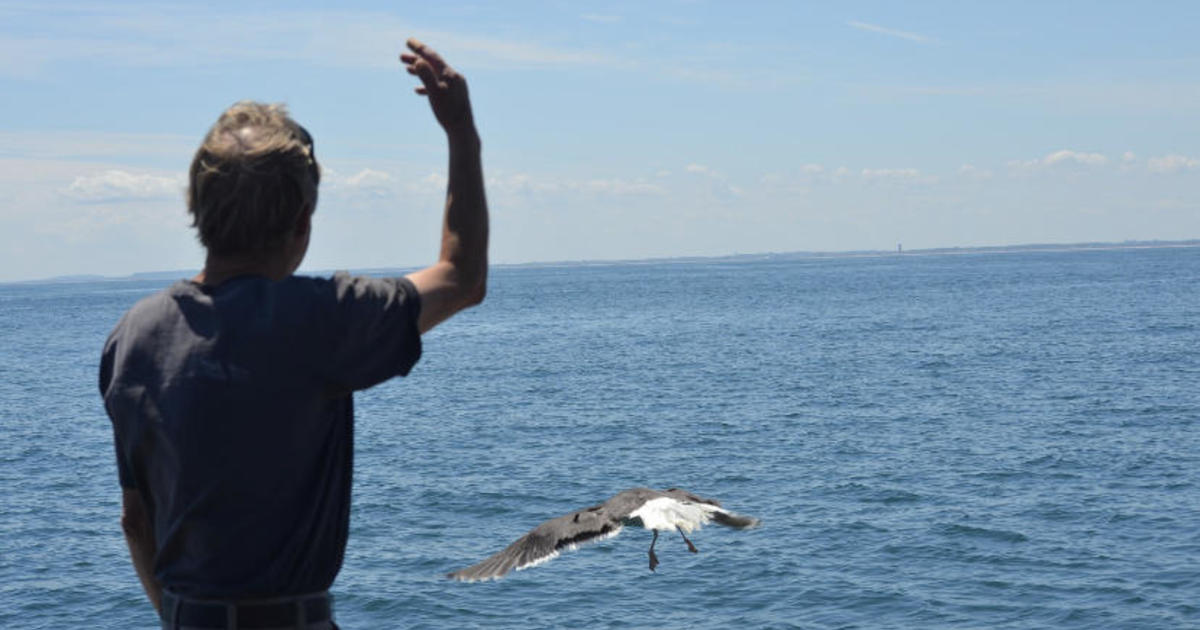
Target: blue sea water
point(944, 441)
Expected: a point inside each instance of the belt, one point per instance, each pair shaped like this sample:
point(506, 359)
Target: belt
point(280, 612)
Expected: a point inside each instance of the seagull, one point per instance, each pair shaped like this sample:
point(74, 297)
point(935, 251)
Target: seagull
point(672, 509)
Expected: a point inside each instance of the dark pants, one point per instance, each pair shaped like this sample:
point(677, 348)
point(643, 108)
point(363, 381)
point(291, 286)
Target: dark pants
point(302, 612)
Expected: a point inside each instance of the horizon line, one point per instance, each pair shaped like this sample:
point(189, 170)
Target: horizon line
point(734, 257)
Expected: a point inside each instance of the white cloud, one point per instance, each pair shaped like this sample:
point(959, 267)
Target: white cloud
point(974, 172)
point(434, 181)
point(365, 183)
point(618, 187)
point(371, 185)
point(1065, 155)
point(366, 178)
point(522, 184)
point(573, 214)
point(118, 186)
point(910, 175)
point(721, 188)
point(1061, 157)
point(874, 28)
point(526, 185)
point(1172, 164)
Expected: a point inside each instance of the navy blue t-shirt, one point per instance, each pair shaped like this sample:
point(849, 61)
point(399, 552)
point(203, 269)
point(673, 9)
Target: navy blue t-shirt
point(232, 417)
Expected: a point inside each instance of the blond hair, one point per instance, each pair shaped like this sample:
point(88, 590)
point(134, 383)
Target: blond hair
point(252, 180)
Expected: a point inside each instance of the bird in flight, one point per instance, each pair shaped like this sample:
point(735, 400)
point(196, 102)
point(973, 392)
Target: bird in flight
point(672, 509)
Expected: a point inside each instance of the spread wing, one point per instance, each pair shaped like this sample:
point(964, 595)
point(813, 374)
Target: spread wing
point(545, 542)
point(713, 508)
point(666, 510)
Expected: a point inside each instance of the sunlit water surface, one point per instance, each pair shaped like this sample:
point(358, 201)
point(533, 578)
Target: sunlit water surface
point(991, 440)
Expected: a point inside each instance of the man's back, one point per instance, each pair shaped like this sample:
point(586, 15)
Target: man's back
point(233, 419)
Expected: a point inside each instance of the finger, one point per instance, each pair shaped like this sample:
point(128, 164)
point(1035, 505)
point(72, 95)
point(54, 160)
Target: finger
point(425, 72)
point(427, 53)
point(408, 58)
point(420, 89)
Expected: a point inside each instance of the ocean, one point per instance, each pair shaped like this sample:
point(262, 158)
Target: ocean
point(990, 440)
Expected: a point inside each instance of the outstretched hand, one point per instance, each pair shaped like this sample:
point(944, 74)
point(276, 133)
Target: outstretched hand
point(445, 87)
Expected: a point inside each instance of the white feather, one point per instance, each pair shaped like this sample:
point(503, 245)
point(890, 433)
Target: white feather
point(665, 513)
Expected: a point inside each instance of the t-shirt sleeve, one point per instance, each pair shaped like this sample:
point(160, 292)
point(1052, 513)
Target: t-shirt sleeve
point(375, 330)
point(124, 474)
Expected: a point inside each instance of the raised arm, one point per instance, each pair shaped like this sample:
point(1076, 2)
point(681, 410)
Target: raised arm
point(459, 278)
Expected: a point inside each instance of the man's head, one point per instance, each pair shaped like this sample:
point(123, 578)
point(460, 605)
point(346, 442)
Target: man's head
point(253, 183)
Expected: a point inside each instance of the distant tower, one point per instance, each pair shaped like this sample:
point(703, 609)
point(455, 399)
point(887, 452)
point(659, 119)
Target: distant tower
point(899, 248)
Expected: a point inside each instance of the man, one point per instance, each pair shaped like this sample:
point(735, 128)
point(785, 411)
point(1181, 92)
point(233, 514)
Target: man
point(230, 394)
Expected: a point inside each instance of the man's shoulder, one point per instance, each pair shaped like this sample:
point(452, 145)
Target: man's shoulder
point(151, 307)
point(139, 327)
point(290, 301)
point(345, 284)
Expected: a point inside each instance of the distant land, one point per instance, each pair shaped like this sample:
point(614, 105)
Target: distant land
point(780, 256)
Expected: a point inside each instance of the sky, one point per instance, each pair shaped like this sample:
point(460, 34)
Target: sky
point(612, 130)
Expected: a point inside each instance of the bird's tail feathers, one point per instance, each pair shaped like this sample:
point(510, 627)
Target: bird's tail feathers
point(729, 519)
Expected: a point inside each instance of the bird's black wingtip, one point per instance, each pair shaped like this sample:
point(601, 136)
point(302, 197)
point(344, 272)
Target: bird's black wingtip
point(737, 521)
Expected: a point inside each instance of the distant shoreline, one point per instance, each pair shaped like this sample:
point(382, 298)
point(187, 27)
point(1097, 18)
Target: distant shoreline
point(875, 253)
point(764, 256)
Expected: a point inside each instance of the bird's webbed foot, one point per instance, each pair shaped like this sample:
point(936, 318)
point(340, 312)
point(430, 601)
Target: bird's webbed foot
point(691, 547)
